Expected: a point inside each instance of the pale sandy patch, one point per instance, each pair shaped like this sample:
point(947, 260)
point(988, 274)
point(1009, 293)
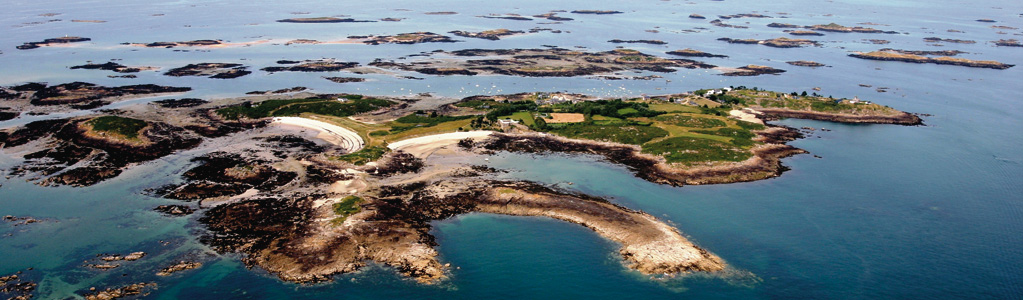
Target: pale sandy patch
point(744, 115)
point(343, 137)
point(566, 118)
point(423, 146)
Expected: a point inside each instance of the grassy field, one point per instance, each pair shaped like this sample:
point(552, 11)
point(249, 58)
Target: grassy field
point(673, 107)
point(691, 120)
point(689, 150)
point(523, 116)
point(415, 121)
point(127, 128)
point(625, 134)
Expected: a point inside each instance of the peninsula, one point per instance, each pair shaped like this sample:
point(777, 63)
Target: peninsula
point(372, 176)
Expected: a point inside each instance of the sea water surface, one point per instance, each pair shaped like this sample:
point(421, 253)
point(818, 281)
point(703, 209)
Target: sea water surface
point(886, 211)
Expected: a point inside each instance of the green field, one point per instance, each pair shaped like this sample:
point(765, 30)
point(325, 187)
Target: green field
point(625, 134)
point(688, 150)
point(689, 120)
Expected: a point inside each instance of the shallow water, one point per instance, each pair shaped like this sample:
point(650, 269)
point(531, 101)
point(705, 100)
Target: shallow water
point(887, 212)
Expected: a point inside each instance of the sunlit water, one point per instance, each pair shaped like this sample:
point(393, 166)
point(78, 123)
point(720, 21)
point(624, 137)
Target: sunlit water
point(886, 212)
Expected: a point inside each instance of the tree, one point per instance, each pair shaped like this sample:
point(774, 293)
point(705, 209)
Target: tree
point(433, 114)
point(541, 124)
point(804, 93)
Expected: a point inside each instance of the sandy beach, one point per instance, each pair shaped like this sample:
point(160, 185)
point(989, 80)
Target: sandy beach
point(347, 139)
point(423, 146)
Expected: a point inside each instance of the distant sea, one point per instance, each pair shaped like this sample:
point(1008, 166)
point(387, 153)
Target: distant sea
point(885, 212)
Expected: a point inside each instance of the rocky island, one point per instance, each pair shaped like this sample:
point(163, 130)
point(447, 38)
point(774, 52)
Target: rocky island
point(211, 70)
point(538, 62)
point(492, 35)
point(52, 42)
point(323, 20)
point(781, 42)
point(943, 60)
point(405, 38)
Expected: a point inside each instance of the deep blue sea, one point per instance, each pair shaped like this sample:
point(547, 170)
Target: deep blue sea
point(886, 212)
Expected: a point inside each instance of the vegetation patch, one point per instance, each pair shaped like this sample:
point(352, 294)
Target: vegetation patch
point(740, 137)
point(365, 155)
point(688, 150)
point(349, 105)
point(690, 121)
point(126, 127)
point(347, 207)
point(421, 119)
point(635, 134)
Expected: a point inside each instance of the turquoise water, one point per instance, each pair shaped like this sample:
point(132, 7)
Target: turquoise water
point(886, 212)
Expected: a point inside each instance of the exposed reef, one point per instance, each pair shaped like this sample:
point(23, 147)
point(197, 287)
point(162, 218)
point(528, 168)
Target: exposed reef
point(492, 35)
point(954, 41)
point(52, 42)
point(345, 79)
point(195, 43)
point(406, 38)
point(110, 66)
point(324, 65)
point(553, 16)
point(651, 42)
point(180, 103)
point(944, 60)
point(540, 62)
point(805, 63)
point(41, 98)
point(596, 12)
point(1008, 43)
point(211, 70)
point(174, 210)
point(832, 27)
point(693, 53)
point(751, 70)
point(324, 20)
point(121, 292)
point(781, 42)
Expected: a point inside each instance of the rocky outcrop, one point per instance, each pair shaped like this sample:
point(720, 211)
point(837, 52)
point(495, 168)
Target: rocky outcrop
point(121, 292)
point(324, 20)
point(596, 12)
point(211, 70)
point(944, 60)
point(693, 53)
point(651, 42)
point(324, 65)
point(805, 63)
point(492, 35)
point(281, 236)
point(752, 70)
point(53, 41)
point(902, 118)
